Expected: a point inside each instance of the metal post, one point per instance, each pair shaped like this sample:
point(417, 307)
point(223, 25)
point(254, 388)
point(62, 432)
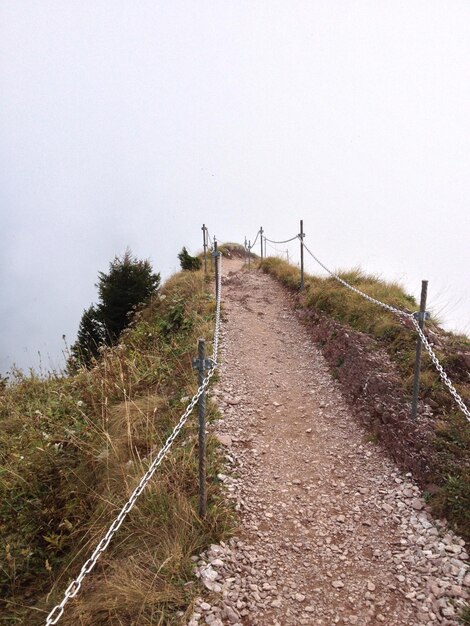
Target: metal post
point(302, 284)
point(249, 254)
point(422, 317)
point(204, 243)
point(261, 233)
point(200, 365)
point(215, 254)
point(212, 254)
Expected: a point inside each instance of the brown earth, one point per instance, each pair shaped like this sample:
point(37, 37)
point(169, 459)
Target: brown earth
point(331, 532)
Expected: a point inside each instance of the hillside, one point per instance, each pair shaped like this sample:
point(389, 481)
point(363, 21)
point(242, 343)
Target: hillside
point(328, 528)
point(71, 451)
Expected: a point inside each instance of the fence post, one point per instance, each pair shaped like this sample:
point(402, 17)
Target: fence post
point(200, 365)
point(204, 243)
point(261, 233)
point(249, 254)
point(419, 344)
point(215, 254)
point(302, 284)
point(212, 253)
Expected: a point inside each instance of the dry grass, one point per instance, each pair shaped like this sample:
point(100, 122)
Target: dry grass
point(73, 448)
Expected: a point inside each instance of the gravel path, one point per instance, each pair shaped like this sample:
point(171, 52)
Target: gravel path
point(330, 531)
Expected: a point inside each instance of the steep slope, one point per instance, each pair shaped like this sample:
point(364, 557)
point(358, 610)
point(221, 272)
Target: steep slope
point(73, 448)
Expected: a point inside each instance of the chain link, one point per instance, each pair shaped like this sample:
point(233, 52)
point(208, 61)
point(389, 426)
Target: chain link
point(388, 307)
point(256, 239)
point(286, 241)
point(445, 378)
point(405, 314)
point(211, 242)
point(74, 587)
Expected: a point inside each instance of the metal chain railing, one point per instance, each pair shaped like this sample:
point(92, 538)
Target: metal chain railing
point(256, 239)
point(445, 378)
point(390, 308)
point(276, 250)
point(286, 241)
point(411, 316)
point(74, 587)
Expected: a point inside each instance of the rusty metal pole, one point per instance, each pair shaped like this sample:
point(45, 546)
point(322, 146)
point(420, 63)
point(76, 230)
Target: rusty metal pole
point(261, 233)
point(419, 345)
point(302, 283)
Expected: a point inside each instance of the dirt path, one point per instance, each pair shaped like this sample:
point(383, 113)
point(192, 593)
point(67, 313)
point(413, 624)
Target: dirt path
point(331, 532)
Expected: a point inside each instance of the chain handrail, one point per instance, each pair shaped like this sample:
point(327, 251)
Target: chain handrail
point(286, 241)
point(74, 587)
point(442, 373)
point(411, 316)
point(389, 307)
point(256, 239)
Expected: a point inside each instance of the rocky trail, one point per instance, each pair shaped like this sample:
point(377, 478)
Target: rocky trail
point(331, 532)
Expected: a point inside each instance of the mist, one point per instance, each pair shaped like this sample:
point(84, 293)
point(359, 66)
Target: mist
point(132, 124)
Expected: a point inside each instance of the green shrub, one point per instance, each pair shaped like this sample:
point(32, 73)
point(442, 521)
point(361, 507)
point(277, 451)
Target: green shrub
point(188, 262)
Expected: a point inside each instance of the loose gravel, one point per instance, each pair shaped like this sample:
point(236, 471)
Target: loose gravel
point(331, 532)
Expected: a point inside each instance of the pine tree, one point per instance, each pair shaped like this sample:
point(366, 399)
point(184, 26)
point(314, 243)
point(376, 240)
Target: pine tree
point(129, 283)
point(188, 262)
point(90, 337)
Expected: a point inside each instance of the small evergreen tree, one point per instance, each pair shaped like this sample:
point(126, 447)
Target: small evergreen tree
point(129, 283)
point(188, 262)
point(90, 337)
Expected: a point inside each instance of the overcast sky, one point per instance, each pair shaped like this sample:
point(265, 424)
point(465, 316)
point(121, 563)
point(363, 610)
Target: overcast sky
point(130, 123)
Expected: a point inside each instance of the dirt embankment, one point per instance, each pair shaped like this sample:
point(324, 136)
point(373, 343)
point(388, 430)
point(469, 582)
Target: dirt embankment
point(373, 389)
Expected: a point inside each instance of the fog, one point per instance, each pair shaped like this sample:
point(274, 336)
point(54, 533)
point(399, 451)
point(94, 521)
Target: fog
point(132, 123)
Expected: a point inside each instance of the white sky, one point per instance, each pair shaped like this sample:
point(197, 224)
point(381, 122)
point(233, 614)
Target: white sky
point(133, 122)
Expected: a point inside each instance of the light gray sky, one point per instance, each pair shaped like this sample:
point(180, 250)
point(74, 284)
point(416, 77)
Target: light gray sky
point(130, 123)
